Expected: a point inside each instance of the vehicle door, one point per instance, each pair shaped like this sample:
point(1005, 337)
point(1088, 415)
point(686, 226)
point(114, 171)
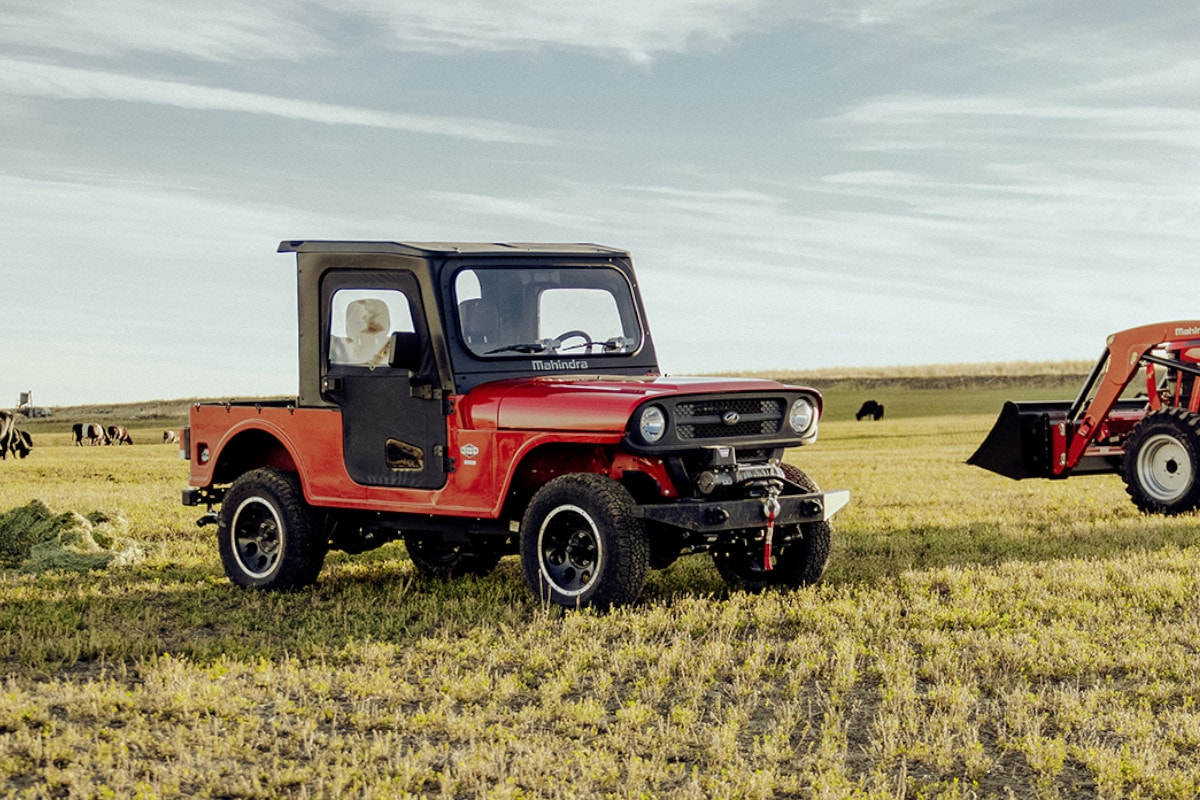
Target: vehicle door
point(393, 423)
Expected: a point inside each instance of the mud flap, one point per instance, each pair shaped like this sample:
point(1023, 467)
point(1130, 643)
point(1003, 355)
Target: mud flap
point(1021, 443)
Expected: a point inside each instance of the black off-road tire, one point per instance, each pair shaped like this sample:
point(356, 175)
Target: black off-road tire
point(581, 545)
point(443, 561)
point(1161, 465)
point(267, 534)
point(798, 560)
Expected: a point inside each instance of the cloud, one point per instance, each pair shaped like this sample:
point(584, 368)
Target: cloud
point(637, 30)
point(223, 30)
point(1175, 80)
point(30, 79)
point(530, 212)
point(1001, 116)
point(215, 30)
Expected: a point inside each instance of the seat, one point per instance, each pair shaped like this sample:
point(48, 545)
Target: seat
point(368, 334)
point(480, 323)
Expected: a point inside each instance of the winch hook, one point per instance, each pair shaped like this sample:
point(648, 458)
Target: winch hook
point(771, 511)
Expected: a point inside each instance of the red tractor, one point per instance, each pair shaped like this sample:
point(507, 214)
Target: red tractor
point(1149, 433)
point(477, 400)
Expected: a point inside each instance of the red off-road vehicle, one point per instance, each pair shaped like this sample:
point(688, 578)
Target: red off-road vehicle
point(477, 400)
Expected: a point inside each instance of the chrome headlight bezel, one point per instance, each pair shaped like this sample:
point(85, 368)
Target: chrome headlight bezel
point(651, 424)
point(802, 416)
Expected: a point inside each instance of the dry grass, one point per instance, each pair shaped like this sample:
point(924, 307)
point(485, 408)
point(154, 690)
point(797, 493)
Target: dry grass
point(990, 369)
point(974, 638)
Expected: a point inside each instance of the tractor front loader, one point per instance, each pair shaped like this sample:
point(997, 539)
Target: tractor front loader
point(1151, 439)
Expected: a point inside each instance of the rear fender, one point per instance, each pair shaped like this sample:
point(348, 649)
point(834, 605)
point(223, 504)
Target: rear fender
point(251, 449)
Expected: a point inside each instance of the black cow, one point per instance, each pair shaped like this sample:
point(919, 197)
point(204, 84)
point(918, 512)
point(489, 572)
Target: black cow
point(21, 442)
point(93, 432)
point(170, 437)
point(870, 409)
point(119, 434)
point(7, 426)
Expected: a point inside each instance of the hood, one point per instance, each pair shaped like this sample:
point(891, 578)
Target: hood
point(597, 403)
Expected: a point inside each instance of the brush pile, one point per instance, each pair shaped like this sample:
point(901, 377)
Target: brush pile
point(35, 539)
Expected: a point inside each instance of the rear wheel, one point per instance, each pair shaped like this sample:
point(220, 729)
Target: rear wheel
point(1161, 465)
point(266, 533)
point(581, 544)
point(797, 560)
point(438, 559)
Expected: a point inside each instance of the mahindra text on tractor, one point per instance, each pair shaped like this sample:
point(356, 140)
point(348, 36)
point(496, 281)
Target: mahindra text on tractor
point(1147, 431)
point(479, 400)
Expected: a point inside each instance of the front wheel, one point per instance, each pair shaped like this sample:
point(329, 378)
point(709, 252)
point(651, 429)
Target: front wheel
point(266, 533)
point(581, 545)
point(1161, 462)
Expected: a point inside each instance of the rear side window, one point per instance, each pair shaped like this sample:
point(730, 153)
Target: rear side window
point(362, 322)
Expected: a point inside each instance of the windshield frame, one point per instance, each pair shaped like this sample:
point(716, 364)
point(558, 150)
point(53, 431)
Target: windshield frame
point(484, 297)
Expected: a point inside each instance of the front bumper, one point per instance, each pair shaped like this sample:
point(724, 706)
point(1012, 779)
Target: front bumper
point(715, 516)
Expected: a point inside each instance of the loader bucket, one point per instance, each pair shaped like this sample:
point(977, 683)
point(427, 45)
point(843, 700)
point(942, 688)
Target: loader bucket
point(1019, 444)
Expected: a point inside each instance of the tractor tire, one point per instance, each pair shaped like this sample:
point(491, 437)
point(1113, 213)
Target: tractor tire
point(267, 534)
point(581, 545)
point(799, 561)
point(1161, 465)
point(435, 559)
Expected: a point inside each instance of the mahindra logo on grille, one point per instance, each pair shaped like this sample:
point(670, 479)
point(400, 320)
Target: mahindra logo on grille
point(731, 418)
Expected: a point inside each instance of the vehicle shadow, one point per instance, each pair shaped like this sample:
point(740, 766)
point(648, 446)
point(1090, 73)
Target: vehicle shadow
point(62, 623)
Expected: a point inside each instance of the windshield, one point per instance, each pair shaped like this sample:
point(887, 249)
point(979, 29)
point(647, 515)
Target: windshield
point(567, 311)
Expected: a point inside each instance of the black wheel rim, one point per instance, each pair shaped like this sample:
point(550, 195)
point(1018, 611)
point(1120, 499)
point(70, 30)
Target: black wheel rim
point(569, 550)
point(257, 534)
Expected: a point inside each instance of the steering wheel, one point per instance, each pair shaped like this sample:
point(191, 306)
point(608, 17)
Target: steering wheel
point(557, 341)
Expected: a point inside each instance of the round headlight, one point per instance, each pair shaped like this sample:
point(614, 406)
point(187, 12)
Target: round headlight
point(802, 415)
point(651, 424)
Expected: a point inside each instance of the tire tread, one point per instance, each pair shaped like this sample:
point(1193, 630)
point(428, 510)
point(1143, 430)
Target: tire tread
point(1186, 426)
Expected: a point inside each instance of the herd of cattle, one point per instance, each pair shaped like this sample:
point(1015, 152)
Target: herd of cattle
point(19, 443)
point(95, 433)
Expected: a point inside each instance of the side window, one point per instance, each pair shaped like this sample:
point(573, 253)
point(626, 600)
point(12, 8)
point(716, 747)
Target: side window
point(362, 322)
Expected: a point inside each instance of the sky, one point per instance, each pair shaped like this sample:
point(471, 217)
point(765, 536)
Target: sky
point(802, 184)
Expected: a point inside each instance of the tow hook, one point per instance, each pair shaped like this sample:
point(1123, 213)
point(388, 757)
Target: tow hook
point(208, 519)
point(770, 511)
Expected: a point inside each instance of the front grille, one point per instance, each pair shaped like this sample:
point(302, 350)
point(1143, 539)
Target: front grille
point(706, 419)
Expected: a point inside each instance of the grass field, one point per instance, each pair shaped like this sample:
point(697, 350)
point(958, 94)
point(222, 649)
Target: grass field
point(974, 638)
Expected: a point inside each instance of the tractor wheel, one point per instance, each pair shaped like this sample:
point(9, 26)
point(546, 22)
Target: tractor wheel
point(1161, 465)
point(581, 545)
point(266, 533)
point(798, 561)
point(437, 559)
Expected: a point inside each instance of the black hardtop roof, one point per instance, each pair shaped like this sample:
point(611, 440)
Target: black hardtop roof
point(426, 249)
